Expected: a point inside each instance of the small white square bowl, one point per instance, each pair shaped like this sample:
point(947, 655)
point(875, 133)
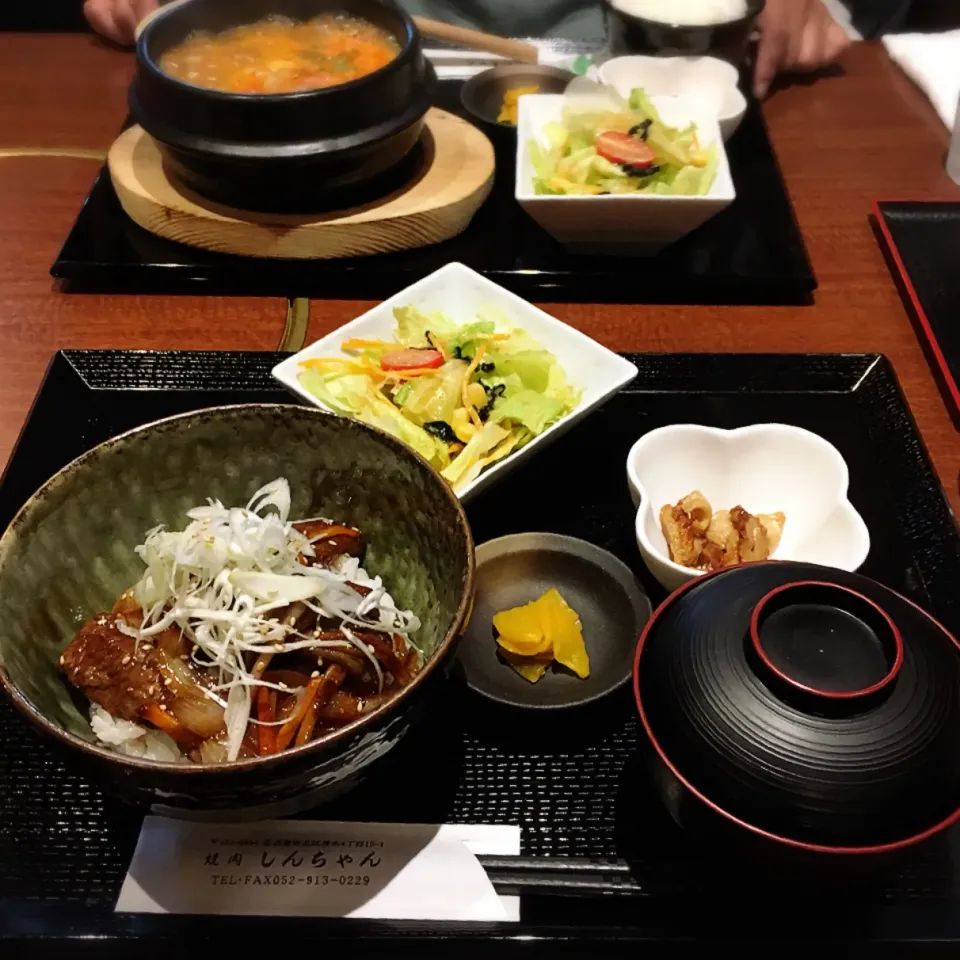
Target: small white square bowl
point(765, 468)
point(458, 292)
point(634, 224)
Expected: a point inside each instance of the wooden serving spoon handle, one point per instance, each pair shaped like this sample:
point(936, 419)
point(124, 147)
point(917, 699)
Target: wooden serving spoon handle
point(477, 40)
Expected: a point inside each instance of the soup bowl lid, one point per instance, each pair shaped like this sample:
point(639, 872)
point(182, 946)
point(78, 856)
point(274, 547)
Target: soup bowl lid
point(810, 705)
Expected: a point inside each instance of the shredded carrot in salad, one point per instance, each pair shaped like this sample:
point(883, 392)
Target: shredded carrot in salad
point(463, 396)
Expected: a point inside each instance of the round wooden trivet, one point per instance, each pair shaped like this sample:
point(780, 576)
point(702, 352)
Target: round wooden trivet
point(437, 205)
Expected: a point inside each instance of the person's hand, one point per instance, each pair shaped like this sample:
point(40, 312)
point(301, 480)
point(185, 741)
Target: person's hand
point(117, 19)
point(796, 35)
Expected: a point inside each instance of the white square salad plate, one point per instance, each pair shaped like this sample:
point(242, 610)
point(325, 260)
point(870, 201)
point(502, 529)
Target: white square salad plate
point(459, 292)
point(637, 224)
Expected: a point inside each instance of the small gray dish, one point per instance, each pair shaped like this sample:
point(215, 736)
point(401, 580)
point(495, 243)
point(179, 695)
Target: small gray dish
point(612, 606)
point(482, 95)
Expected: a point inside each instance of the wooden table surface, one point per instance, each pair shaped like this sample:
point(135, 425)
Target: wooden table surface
point(842, 141)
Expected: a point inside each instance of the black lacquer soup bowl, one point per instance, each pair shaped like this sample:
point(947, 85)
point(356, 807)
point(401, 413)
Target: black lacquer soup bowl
point(70, 553)
point(801, 709)
point(290, 152)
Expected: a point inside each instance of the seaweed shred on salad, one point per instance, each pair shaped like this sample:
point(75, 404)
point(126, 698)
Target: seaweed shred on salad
point(464, 397)
point(606, 148)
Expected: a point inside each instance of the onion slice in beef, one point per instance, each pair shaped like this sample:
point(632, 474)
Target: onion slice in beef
point(224, 580)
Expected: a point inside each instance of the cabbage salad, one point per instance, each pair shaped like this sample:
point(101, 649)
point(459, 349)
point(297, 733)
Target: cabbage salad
point(607, 145)
point(463, 397)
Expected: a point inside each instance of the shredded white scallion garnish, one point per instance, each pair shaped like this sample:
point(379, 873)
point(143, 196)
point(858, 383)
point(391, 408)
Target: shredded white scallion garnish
point(219, 580)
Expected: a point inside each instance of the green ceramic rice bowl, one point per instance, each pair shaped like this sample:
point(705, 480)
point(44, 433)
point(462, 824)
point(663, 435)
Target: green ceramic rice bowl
point(69, 553)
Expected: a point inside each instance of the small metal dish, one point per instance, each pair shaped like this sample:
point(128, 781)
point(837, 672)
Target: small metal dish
point(482, 95)
point(612, 606)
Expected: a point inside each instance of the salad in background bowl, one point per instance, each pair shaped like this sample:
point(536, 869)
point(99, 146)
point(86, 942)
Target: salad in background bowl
point(611, 145)
point(612, 175)
point(466, 373)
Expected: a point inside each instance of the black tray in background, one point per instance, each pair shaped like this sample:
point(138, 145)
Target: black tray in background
point(752, 252)
point(922, 241)
point(572, 782)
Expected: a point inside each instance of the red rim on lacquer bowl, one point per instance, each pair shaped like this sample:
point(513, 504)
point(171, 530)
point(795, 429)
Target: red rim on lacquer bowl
point(725, 814)
point(892, 642)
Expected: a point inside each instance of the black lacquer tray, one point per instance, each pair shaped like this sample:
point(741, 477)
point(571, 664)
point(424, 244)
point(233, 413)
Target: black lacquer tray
point(750, 253)
point(571, 782)
point(921, 239)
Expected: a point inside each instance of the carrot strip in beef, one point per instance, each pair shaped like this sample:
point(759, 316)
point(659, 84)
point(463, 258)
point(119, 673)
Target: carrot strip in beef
point(329, 683)
point(162, 720)
point(266, 714)
point(289, 729)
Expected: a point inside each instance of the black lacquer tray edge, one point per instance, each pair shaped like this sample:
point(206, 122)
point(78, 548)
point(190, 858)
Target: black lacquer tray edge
point(713, 924)
point(59, 356)
point(793, 288)
point(98, 933)
point(912, 300)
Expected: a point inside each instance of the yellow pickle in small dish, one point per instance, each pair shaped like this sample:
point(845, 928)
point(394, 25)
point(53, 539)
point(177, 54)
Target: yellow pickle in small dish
point(535, 635)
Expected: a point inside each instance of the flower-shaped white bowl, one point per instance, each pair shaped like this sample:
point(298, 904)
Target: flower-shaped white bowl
point(709, 80)
point(764, 468)
point(458, 292)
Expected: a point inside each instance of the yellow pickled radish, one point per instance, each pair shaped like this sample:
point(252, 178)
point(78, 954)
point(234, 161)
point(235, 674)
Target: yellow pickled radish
point(547, 629)
point(532, 671)
point(520, 631)
point(530, 668)
point(562, 625)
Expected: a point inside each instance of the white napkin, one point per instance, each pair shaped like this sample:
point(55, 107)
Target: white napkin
point(932, 61)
